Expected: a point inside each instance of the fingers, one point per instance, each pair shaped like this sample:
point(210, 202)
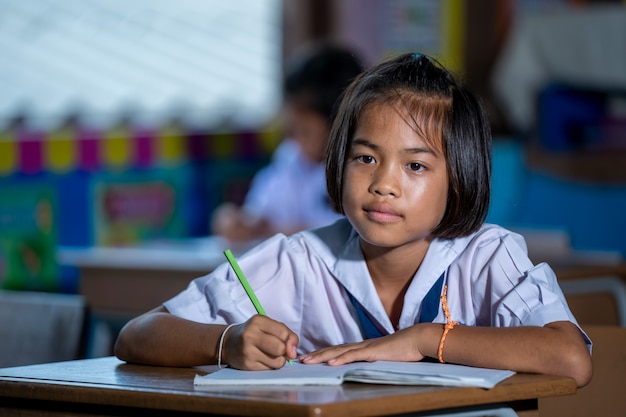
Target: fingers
point(263, 343)
point(400, 346)
point(260, 343)
point(341, 354)
point(292, 346)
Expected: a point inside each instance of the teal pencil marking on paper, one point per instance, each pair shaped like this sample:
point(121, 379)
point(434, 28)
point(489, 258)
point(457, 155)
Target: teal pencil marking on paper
point(246, 285)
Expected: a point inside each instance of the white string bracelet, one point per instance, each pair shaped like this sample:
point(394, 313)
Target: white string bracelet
point(219, 349)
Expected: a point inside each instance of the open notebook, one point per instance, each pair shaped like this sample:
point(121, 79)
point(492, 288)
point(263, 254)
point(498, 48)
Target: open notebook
point(381, 372)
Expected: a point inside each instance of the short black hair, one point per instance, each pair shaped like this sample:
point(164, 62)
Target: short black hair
point(319, 75)
point(440, 106)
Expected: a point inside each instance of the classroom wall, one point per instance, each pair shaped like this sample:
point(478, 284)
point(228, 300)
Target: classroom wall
point(525, 197)
point(118, 186)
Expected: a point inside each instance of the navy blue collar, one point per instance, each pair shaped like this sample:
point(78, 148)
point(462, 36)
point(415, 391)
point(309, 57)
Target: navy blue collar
point(430, 309)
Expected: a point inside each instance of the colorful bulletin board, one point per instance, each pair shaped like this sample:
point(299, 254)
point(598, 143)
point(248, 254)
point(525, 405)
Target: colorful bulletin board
point(28, 237)
point(116, 186)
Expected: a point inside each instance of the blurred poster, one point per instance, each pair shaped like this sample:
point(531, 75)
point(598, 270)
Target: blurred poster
point(432, 27)
point(133, 207)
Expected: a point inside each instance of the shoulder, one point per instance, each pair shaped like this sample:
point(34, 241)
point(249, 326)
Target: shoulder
point(311, 246)
point(273, 178)
point(492, 244)
point(284, 158)
point(489, 236)
point(332, 237)
point(287, 153)
point(289, 166)
point(330, 241)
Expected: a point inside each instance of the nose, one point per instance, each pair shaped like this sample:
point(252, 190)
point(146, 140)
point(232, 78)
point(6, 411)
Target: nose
point(385, 182)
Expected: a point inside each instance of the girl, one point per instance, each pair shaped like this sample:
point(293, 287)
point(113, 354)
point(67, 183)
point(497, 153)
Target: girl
point(412, 272)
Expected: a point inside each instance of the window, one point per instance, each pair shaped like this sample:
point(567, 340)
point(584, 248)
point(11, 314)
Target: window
point(204, 60)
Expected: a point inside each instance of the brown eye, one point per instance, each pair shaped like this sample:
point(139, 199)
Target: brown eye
point(416, 166)
point(366, 159)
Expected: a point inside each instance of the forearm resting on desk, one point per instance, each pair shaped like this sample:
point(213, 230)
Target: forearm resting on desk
point(557, 348)
point(160, 338)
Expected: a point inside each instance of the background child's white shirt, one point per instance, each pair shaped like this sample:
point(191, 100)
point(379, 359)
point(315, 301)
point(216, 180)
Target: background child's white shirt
point(302, 282)
point(291, 191)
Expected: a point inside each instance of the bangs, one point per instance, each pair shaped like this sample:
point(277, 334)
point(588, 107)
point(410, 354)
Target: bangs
point(428, 115)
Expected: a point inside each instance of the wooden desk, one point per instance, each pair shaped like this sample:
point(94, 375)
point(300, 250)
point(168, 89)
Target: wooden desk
point(107, 386)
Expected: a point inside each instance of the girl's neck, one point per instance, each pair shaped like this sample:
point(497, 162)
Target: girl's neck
point(392, 271)
point(394, 266)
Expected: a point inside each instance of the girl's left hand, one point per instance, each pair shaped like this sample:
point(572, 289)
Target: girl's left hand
point(403, 346)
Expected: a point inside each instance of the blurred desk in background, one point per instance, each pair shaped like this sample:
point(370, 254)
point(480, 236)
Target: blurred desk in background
point(594, 282)
point(122, 282)
point(596, 293)
point(581, 270)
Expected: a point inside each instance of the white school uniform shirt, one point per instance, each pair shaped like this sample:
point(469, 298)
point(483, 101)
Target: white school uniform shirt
point(304, 280)
point(291, 191)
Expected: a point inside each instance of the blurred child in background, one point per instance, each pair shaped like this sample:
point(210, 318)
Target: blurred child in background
point(289, 194)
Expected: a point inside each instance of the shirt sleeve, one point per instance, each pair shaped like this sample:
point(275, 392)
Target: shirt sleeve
point(219, 298)
point(508, 290)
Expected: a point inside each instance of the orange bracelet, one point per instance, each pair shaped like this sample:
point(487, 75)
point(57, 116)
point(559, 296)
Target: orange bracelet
point(446, 329)
point(449, 323)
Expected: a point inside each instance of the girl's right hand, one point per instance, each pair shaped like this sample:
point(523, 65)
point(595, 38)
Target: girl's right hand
point(259, 344)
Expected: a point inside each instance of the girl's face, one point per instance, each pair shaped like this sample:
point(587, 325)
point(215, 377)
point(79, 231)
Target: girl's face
point(395, 183)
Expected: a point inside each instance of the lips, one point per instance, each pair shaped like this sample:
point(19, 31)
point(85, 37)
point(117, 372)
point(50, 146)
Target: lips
point(382, 213)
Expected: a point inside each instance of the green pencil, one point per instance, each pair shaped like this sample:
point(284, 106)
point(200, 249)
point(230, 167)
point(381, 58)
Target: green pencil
point(244, 282)
point(246, 285)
